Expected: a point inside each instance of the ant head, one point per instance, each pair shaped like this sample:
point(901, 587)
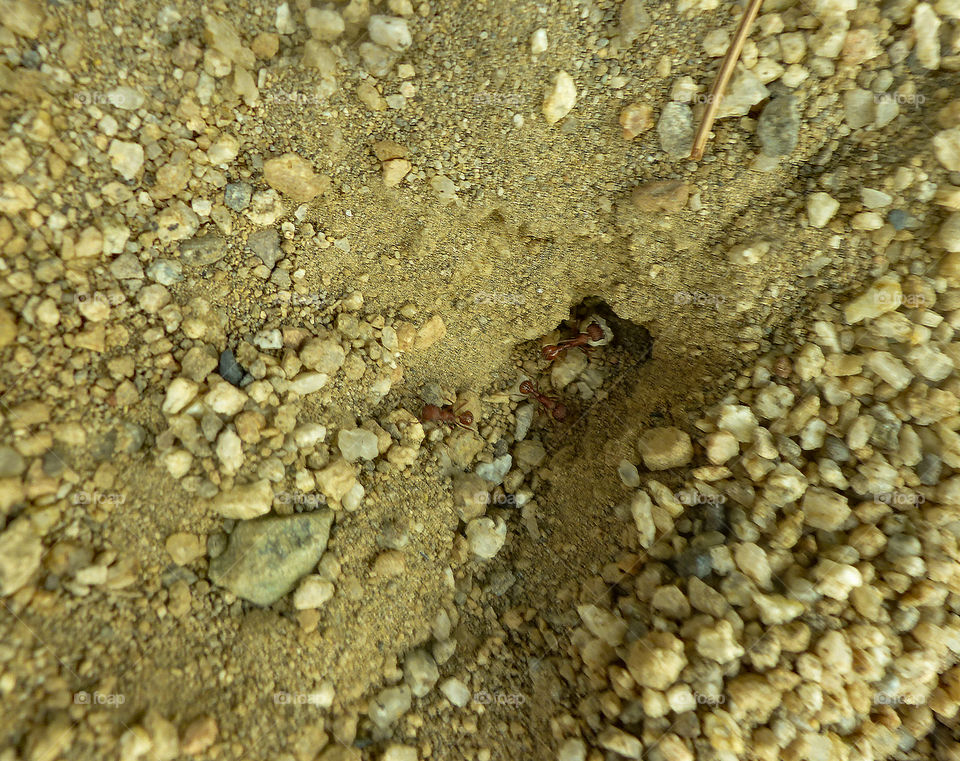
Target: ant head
point(466, 418)
point(551, 351)
point(559, 411)
point(527, 387)
point(594, 331)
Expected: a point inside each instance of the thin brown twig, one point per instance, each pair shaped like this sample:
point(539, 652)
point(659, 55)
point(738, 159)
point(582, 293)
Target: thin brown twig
point(723, 78)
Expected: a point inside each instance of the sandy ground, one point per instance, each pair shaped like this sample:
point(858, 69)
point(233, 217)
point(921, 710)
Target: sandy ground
point(542, 220)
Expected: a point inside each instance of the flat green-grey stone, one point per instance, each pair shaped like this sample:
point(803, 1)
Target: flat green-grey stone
point(267, 556)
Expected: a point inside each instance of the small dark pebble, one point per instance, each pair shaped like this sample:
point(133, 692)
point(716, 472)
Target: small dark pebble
point(902, 220)
point(203, 251)
point(886, 433)
point(53, 464)
point(694, 563)
point(237, 195)
point(836, 449)
point(929, 469)
point(103, 446)
point(778, 127)
point(715, 517)
point(31, 60)
point(131, 437)
point(499, 582)
point(229, 369)
point(687, 725)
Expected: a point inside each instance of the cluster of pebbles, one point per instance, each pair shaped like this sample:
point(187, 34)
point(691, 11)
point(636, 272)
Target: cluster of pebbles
point(796, 596)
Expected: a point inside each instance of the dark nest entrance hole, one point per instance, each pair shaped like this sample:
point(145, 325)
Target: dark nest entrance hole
point(584, 360)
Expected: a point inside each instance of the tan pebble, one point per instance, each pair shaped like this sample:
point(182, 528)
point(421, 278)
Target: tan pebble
point(293, 176)
point(184, 548)
point(668, 196)
point(636, 119)
point(432, 331)
point(394, 170)
point(198, 736)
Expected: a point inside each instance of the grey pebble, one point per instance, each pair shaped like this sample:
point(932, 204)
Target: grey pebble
point(165, 272)
point(694, 563)
point(432, 394)
point(499, 582)
point(237, 195)
point(131, 437)
point(715, 517)
point(203, 251)
point(174, 573)
point(779, 126)
point(53, 464)
point(126, 267)
point(929, 469)
point(902, 220)
point(395, 534)
point(495, 471)
point(675, 129)
point(281, 279)
point(229, 369)
point(836, 449)
point(103, 446)
point(524, 419)
point(11, 462)
point(266, 245)
point(265, 557)
point(216, 544)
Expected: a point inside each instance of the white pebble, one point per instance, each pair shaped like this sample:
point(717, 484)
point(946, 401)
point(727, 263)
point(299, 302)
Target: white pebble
point(485, 537)
point(821, 208)
point(390, 31)
point(538, 42)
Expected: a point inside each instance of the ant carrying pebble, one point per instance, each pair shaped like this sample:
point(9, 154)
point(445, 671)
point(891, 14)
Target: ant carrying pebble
point(593, 334)
point(556, 408)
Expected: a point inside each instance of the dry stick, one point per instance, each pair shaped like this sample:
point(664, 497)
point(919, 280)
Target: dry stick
point(723, 78)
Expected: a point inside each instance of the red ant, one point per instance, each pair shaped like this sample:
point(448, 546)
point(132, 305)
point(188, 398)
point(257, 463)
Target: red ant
point(431, 413)
point(594, 333)
point(555, 407)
